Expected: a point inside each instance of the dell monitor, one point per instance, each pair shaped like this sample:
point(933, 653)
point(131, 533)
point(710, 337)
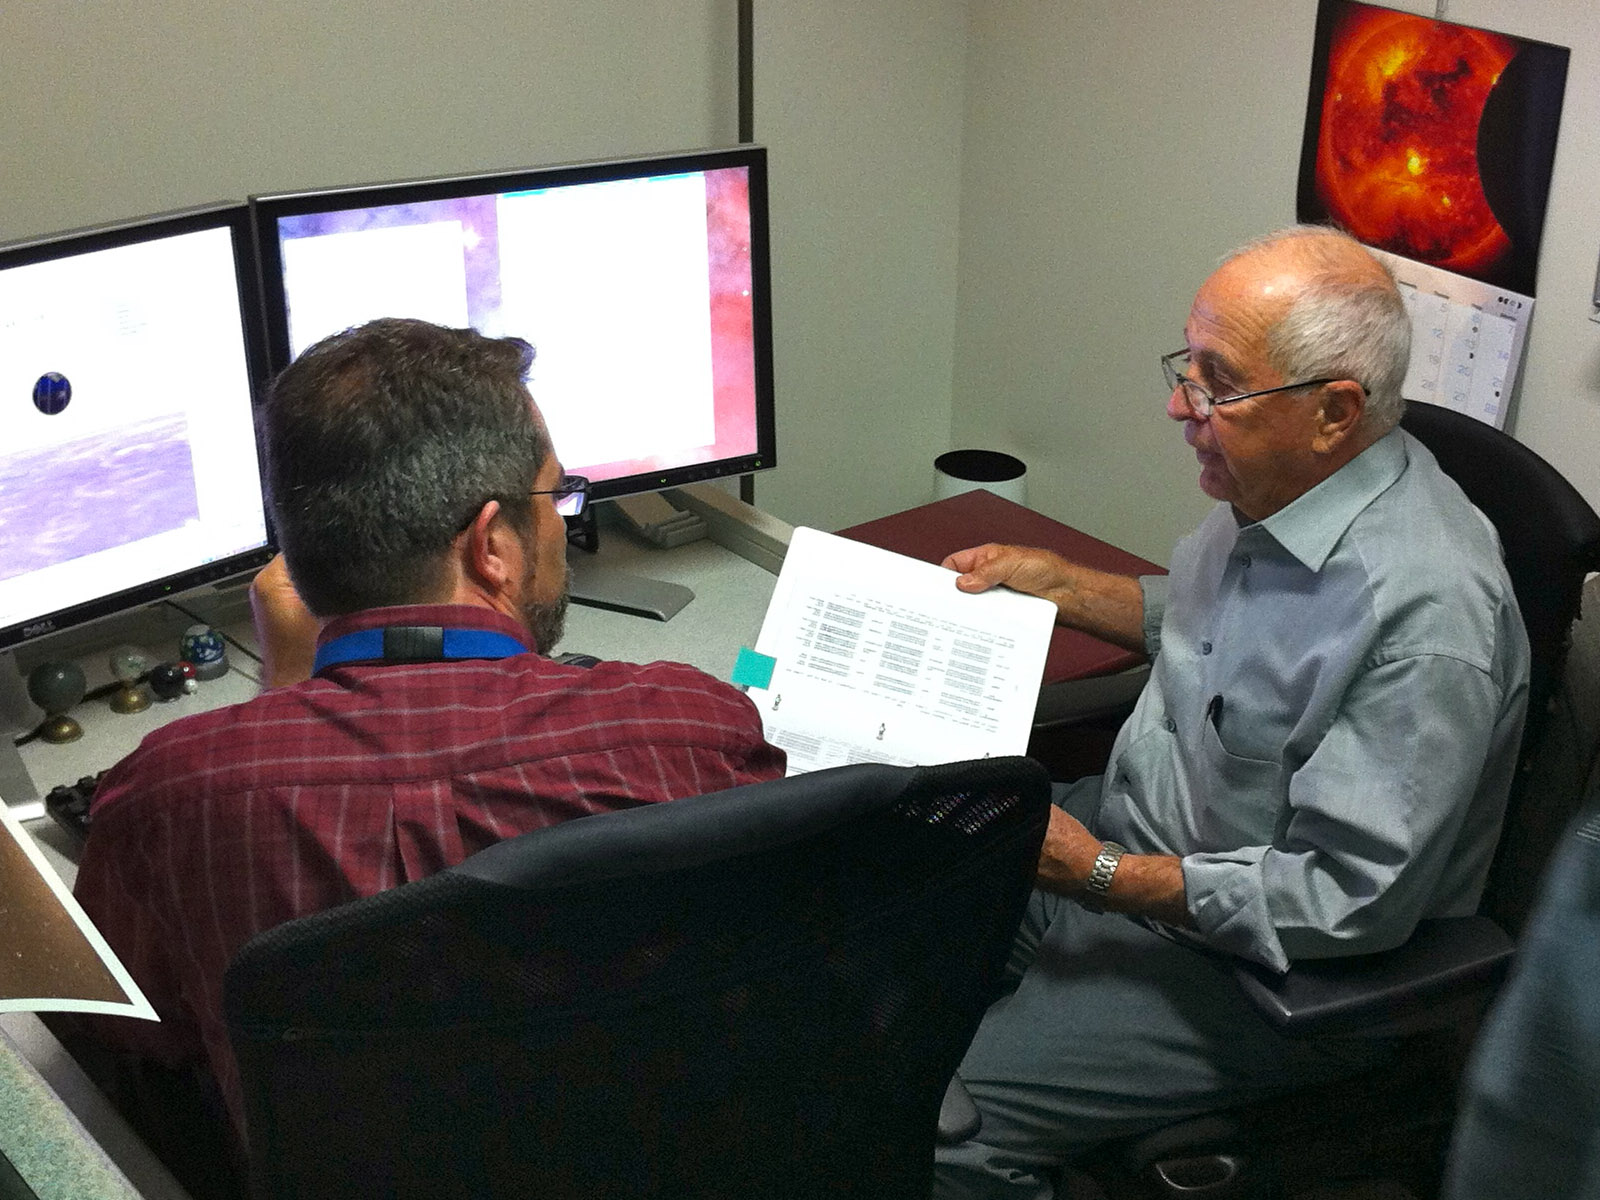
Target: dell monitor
point(641, 284)
point(128, 463)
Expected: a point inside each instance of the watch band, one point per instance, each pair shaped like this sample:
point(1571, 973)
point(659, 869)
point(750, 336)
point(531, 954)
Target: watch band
point(1098, 885)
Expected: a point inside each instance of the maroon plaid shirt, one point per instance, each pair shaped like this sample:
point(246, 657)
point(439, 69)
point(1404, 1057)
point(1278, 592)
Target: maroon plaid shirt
point(229, 822)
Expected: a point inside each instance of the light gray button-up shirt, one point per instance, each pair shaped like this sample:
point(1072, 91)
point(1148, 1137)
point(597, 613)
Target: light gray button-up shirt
point(1331, 723)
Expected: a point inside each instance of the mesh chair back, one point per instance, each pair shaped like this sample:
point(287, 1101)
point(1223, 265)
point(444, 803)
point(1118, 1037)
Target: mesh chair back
point(760, 992)
point(1551, 539)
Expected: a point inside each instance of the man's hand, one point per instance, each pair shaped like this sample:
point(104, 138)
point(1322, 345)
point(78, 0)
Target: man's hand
point(1021, 568)
point(286, 631)
point(1108, 606)
point(1145, 885)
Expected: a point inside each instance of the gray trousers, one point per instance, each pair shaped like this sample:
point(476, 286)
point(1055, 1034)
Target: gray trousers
point(1113, 1029)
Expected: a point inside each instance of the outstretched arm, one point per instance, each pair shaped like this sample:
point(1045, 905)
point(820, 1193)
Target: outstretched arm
point(1108, 606)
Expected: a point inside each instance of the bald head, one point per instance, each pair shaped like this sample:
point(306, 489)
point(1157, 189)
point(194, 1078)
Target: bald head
point(1329, 309)
point(1315, 250)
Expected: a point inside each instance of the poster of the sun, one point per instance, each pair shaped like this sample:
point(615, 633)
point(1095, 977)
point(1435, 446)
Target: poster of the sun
point(1432, 140)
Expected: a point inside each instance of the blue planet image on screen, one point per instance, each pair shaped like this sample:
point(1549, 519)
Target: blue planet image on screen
point(52, 392)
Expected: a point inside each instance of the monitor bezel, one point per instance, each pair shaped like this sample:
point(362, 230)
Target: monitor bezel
point(267, 209)
point(236, 219)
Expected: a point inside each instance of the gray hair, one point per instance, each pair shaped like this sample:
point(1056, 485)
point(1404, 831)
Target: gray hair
point(1348, 320)
point(381, 445)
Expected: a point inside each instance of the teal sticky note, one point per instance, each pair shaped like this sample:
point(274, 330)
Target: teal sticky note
point(752, 669)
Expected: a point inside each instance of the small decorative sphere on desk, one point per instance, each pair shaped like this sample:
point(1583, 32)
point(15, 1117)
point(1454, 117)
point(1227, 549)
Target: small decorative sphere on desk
point(167, 681)
point(203, 646)
point(57, 687)
point(128, 665)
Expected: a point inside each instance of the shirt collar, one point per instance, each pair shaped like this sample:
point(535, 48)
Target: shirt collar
point(1310, 526)
point(449, 616)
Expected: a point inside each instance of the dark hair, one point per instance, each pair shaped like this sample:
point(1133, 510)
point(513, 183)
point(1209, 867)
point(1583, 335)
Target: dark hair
point(381, 444)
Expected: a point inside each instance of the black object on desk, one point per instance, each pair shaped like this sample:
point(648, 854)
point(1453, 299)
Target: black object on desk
point(69, 805)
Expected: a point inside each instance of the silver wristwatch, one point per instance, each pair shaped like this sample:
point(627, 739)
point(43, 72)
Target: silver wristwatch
point(1098, 885)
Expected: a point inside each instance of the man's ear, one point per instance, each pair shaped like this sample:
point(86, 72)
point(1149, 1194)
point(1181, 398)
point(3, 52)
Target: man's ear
point(489, 553)
point(1339, 416)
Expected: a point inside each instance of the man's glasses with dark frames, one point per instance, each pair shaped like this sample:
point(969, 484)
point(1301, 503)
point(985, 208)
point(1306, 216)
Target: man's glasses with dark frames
point(1175, 369)
point(571, 497)
point(571, 494)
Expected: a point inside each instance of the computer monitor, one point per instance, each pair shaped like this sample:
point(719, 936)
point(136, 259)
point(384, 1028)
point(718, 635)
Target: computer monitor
point(642, 285)
point(128, 463)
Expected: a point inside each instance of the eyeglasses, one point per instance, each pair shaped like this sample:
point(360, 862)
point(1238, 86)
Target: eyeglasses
point(1175, 369)
point(571, 494)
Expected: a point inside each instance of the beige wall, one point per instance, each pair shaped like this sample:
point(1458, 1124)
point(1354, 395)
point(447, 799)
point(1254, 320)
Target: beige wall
point(989, 215)
point(115, 108)
point(1112, 152)
point(861, 104)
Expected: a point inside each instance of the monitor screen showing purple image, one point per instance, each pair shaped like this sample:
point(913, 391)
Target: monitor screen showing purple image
point(641, 284)
point(128, 464)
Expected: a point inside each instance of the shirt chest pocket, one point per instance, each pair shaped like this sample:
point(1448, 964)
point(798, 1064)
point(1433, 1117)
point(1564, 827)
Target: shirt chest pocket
point(1240, 798)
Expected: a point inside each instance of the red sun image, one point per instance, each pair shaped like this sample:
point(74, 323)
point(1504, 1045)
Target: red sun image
point(1397, 157)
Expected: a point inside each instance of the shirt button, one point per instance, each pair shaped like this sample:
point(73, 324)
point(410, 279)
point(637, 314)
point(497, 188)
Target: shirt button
point(1205, 647)
point(1244, 560)
point(1172, 726)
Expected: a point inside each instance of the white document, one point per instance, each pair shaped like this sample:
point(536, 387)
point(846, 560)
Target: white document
point(878, 658)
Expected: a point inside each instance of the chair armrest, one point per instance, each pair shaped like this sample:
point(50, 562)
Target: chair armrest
point(1389, 993)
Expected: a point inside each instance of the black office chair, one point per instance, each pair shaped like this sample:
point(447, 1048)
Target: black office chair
point(759, 992)
point(1434, 989)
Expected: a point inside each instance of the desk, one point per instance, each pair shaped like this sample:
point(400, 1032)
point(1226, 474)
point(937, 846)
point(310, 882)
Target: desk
point(731, 573)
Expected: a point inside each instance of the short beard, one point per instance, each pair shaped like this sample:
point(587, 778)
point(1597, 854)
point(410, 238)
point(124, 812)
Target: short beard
point(546, 622)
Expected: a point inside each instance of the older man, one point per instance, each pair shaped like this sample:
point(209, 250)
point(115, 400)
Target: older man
point(1321, 757)
point(419, 505)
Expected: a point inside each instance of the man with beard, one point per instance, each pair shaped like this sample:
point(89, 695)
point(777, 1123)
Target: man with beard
point(419, 505)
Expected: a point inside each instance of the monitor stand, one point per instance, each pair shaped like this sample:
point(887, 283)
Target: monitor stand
point(598, 586)
point(18, 715)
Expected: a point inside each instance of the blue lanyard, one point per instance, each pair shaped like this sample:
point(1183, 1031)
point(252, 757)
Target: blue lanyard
point(413, 644)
